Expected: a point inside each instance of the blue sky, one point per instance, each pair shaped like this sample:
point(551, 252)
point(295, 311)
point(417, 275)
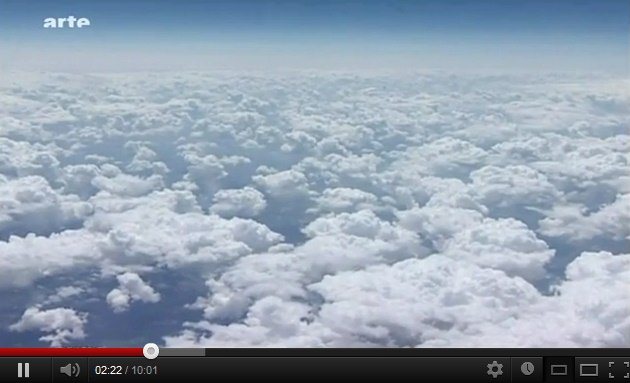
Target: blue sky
point(576, 35)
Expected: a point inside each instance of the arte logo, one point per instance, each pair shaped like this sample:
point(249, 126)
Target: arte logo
point(66, 22)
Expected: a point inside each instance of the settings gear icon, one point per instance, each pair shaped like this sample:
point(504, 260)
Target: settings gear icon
point(495, 369)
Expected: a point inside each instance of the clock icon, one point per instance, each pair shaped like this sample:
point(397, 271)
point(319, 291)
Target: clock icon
point(527, 368)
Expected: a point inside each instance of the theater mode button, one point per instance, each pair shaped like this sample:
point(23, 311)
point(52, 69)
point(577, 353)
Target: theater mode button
point(589, 370)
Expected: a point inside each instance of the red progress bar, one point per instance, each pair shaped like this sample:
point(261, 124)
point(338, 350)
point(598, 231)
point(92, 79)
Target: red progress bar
point(53, 352)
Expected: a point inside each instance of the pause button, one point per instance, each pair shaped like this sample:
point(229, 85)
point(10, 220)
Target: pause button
point(24, 370)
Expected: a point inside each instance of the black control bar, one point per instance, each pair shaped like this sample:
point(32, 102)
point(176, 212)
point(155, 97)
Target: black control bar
point(418, 365)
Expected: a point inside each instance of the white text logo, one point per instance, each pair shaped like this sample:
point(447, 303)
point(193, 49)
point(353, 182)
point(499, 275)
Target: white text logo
point(66, 22)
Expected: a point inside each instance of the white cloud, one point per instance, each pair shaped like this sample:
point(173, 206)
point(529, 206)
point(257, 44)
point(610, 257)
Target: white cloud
point(205, 171)
point(337, 200)
point(446, 157)
point(30, 205)
point(438, 302)
point(610, 222)
point(63, 324)
point(22, 158)
point(246, 202)
point(404, 304)
point(27, 259)
point(439, 223)
point(503, 244)
point(513, 185)
point(63, 293)
point(416, 301)
point(284, 184)
point(179, 234)
point(589, 310)
point(131, 288)
point(116, 182)
point(77, 179)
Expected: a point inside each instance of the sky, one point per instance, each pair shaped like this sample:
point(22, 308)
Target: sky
point(395, 35)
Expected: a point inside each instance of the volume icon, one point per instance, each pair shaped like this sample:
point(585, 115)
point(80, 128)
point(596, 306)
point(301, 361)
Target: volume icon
point(70, 369)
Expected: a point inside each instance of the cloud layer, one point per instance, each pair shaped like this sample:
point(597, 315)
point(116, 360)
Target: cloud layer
point(315, 210)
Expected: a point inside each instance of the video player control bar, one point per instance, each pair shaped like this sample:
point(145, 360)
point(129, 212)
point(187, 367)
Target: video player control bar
point(284, 365)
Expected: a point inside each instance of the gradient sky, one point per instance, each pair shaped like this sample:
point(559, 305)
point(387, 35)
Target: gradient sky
point(453, 35)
